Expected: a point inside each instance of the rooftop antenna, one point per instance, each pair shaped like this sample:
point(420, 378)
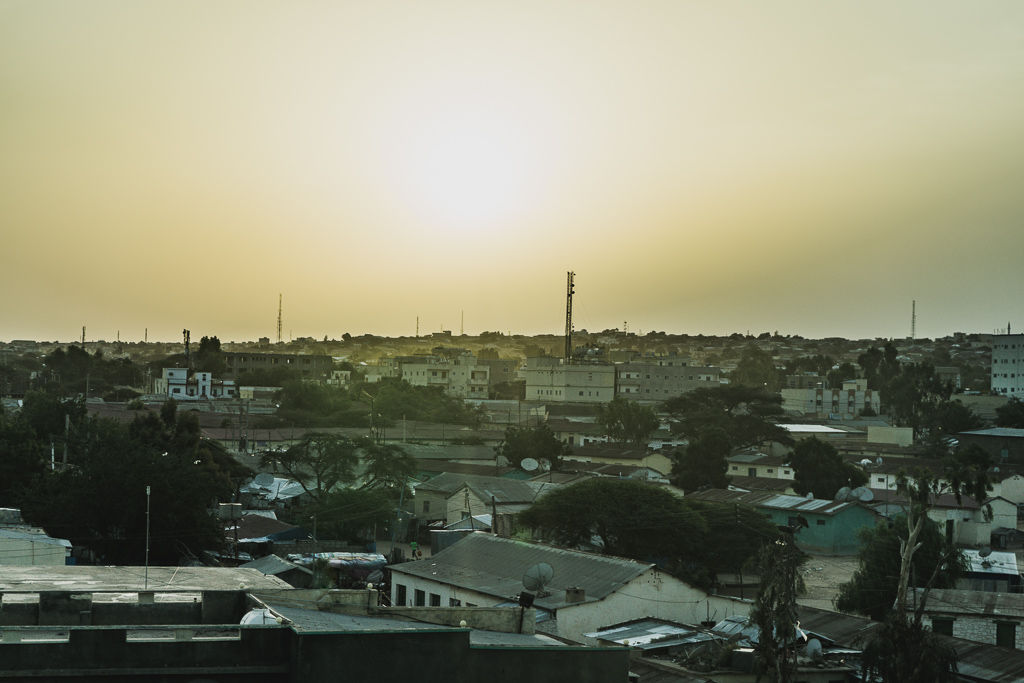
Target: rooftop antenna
point(568, 317)
point(83, 335)
point(462, 325)
point(417, 327)
point(278, 318)
point(537, 577)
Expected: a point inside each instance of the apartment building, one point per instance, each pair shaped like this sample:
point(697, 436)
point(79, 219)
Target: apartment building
point(658, 379)
point(549, 379)
point(1008, 365)
point(846, 402)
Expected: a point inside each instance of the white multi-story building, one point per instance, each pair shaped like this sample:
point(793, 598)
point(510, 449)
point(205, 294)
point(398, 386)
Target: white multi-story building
point(549, 379)
point(177, 384)
point(460, 377)
point(1008, 365)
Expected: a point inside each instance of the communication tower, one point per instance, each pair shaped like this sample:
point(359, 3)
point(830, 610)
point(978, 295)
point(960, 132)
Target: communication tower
point(568, 317)
point(913, 320)
point(278, 318)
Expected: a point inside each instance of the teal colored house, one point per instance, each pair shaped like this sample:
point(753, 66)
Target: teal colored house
point(826, 527)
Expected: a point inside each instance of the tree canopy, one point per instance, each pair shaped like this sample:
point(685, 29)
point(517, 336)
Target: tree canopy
point(319, 462)
point(539, 443)
point(703, 461)
point(1011, 414)
point(872, 590)
point(818, 468)
point(749, 415)
point(627, 422)
point(631, 519)
point(756, 369)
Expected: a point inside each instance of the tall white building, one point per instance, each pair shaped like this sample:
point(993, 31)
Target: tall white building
point(1008, 364)
point(549, 379)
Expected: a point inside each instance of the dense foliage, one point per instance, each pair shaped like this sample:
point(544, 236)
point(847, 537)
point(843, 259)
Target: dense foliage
point(627, 422)
point(703, 462)
point(819, 469)
point(539, 443)
point(750, 416)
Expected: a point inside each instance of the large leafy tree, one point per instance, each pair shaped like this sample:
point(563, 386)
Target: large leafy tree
point(703, 461)
point(738, 531)
point(319, 462)
point(907, 652)
point(387, 468)
point(631, 519)
point(532, 442)
point(114, 463)
point(1011, 414)
point(627, 422)
point(350, 514)
point(820, 469)
point(874, 587)
point(756, 368)
point(749, 415)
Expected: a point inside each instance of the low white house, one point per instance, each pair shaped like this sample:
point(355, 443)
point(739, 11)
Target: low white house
point(585, 593)
point(177, 384)
point(31, 546)
point(990, 618)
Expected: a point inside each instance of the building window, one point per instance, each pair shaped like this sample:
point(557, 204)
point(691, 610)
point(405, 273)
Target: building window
point(452, 602)
point(735, 467)
point(943, 627)
point(821, 522)
point(426, 506)
point(785, 471)
point(399, 595)
point(1006, 634)
point(771, 471)
point(435, 600)
point(421, 598)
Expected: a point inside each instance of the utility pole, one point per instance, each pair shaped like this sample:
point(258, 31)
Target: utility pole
point(568, 317)
point(147, 538)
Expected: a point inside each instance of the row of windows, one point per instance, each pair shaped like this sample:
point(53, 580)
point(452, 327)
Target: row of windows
point(420, 598)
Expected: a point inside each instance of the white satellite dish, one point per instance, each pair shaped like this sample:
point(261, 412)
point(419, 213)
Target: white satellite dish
point(263, 480)
point(545, 465)
point(529, 464)
point(862, 494)
point(985, 552)
point(814, 649)
point(538, 576)
point(501, 461)
point(843, 495)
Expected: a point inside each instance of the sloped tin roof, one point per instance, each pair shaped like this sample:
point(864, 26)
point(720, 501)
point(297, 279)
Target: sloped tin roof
point(489, 564)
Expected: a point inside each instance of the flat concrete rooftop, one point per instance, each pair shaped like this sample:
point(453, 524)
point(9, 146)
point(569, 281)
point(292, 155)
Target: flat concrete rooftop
point(83, 578)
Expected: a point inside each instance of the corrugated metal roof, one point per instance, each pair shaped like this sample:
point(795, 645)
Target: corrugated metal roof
point(495, 566)
point(998, 431)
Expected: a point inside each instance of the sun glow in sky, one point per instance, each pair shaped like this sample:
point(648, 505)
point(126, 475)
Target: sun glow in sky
point(797, 166)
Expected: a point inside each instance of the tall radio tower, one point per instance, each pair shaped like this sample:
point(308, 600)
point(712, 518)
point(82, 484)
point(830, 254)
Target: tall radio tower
point(568, 317)
point(913, 320)
point(278, 318)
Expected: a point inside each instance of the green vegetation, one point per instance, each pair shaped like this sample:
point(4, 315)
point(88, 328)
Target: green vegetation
point(749, 415)
point(702, 464)
point(539, 443)
point(99, 500)
point(627, 422)
point(820, 469)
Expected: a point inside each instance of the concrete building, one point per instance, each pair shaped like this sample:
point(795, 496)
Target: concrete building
point(658, 379)
point(24, 545)
point(844, 403)
point(586, 592)
point(200, 386)
point(459, 377)
point(549, 379)
point(991, 618)
point(1008, 364)
point(307, 366)
point(1004, 444)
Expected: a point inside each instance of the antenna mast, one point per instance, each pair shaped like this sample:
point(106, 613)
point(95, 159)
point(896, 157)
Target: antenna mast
point(568, 317)
point(83, 335)
point(188, 363)
point(278, 318)
point(913, 320)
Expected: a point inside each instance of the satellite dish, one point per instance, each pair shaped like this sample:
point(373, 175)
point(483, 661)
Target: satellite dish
point(529, 464)
point(862, 494)
point(985, 552)
point(879, 460)
point(814, 649)
point(843, 494)
point(263, 480)
point(501, 461)
point(865, 462)
point(538, 576)
point(545, 465)
point(736, 637)
point(810, 495)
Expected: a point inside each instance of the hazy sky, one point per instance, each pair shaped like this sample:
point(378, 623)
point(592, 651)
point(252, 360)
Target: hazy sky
point(807, 167)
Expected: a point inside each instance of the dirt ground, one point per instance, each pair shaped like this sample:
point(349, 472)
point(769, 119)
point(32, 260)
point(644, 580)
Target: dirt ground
point(822, 576)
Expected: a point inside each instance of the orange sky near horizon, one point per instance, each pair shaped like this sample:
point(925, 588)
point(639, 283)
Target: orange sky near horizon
point(800, 166)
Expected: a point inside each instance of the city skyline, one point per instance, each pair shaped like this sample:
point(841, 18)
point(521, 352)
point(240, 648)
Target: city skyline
point(805, 168)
